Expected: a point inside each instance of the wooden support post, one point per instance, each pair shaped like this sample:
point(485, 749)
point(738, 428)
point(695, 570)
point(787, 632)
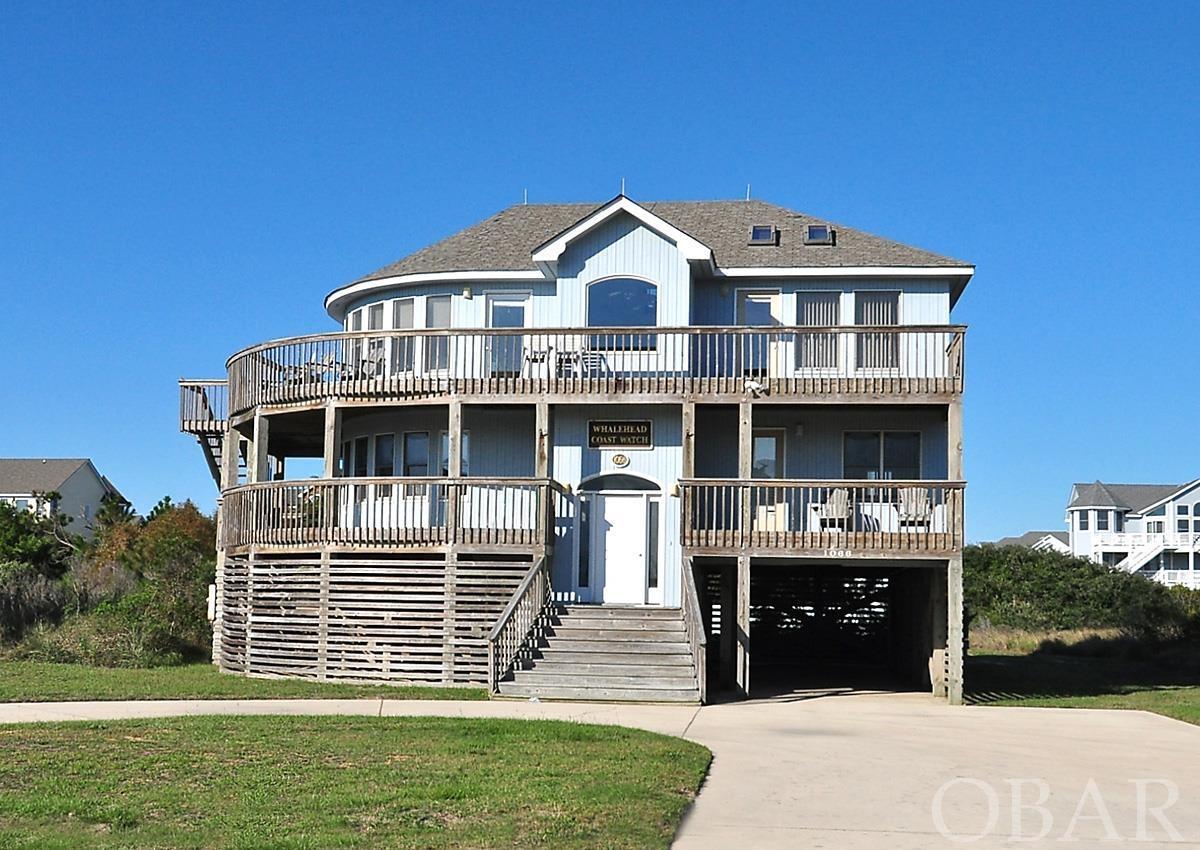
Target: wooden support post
point(231, 452)
point(333, 438)
point(728, 648)
point(450, 616)
point(743, 624)
point(323, 619)
point(954, 631)
point(689, 439)
point(454, 430)
point(258, 467)
point(939, 618)
point(745, 467)
point(954, 439)
point(542, 435)
point(454, 472)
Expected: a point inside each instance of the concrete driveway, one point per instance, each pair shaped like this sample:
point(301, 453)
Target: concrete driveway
point(865, 771)
point(860, 770)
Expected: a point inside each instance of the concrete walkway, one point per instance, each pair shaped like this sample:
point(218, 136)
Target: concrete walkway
point(857, 771)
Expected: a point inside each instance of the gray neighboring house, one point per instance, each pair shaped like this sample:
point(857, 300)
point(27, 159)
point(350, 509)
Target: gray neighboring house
point(1040, 541)
point(80, 487)
point(1151, 529)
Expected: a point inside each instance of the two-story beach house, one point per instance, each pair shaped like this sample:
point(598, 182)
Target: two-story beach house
point(69, 488)
point(614, 451)
point(1151, 529)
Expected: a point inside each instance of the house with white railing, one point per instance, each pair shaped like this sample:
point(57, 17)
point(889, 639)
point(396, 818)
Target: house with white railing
point(624, 450)
point(1151, 529)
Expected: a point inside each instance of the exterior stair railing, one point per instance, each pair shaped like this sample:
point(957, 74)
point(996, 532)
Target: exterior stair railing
point(519, 626)
point(693, 623)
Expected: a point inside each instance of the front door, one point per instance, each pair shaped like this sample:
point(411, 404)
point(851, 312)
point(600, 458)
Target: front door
point(619, 541)
point(758, 353)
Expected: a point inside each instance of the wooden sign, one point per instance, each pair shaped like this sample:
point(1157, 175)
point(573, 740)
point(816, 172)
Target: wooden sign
point(619, 434)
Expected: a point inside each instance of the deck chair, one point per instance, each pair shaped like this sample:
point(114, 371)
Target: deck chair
point(915, 507)
point(834, 512)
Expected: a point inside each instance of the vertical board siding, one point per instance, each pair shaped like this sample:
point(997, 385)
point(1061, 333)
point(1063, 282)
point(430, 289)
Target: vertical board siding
point(573, 462)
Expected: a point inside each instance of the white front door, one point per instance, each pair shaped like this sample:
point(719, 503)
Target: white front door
point(619, 543)
point(758, 353)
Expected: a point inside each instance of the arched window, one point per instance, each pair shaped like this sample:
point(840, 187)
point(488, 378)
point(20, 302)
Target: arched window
point(618, 481)
point(622, 302)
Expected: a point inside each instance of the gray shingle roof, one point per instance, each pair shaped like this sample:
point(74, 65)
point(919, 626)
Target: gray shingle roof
point(36, 475)
point(1031, 537)
point(505, 241)
point(1133, 497)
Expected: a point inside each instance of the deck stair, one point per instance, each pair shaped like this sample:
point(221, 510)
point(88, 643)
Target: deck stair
point(1141, 556)
point(609, 653)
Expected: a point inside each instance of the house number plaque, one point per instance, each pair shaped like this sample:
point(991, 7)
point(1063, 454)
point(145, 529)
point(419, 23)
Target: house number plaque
point(619, 434)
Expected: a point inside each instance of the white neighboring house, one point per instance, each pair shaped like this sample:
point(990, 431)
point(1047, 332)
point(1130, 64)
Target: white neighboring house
point(80, 488)
point(1040, 541)
point(1152, 529)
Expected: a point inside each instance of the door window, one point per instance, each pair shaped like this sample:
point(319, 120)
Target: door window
point(506, 351)
point(817, 310)
point(767, 453)
point(437, 348)
point(877, 309)
point(402, 345)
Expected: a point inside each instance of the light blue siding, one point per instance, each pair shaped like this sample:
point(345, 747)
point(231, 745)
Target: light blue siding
point(573, 462)
point(816, 450)
point(922, 302)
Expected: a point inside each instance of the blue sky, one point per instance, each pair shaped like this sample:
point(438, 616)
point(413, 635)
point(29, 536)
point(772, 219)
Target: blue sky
point(179, 181)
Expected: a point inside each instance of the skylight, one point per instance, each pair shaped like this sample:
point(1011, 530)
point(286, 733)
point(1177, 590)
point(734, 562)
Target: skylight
point(818, 234)
point(763, 234)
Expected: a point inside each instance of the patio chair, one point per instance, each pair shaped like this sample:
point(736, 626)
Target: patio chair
point(834, 512)
point(915, 507)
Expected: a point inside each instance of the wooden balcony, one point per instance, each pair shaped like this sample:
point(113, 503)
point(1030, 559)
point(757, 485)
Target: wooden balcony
point(203, 407)
point(394, 512)
point(840, 364)
point(823, 519)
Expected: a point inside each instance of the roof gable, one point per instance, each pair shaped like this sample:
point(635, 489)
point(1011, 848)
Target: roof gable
point(546, 255)
point(20, 476)
point(1130, 497)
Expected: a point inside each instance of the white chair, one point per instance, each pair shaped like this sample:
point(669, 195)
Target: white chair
point(835, 510)
point(914, 507)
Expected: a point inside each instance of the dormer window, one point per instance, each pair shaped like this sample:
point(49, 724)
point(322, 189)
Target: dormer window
point(818, 234)
point(764, 234)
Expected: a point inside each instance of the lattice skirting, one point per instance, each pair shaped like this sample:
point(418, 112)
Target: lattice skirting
point(362, 616)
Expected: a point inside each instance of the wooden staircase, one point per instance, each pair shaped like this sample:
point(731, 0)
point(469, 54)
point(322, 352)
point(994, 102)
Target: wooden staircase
point(612, 653)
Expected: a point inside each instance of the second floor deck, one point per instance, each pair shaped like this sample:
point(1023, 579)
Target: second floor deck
point(717, 364)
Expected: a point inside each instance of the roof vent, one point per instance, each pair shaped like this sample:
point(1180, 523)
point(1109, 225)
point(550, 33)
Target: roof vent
point(764, 234)
point(818, 234)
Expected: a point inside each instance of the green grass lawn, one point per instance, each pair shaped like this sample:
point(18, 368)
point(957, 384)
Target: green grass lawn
point(1068, 681)
point(30, 681)
point(331, 782)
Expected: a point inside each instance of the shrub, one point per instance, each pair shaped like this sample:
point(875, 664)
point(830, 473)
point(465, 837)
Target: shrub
point(1017, 587)
point(28, 597)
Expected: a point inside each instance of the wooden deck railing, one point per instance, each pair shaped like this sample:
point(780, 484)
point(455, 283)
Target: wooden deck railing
point(699, 361)
point(693, 622)
point(516, 631)
point(388, 511)
point(203, 406)
point(839, 519)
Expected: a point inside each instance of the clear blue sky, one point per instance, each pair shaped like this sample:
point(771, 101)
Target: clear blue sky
point(180, 180)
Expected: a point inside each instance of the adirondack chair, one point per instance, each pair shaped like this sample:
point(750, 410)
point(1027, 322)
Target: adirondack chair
point(915, 507)
point(834, 512)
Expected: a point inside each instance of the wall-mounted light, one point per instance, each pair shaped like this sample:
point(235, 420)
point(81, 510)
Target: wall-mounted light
point(724, 290)
point(675, 489)
point(799, 429)
point(468, 294)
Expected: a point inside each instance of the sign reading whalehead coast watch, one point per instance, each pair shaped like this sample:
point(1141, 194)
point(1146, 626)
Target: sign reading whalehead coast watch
point(619, 434)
